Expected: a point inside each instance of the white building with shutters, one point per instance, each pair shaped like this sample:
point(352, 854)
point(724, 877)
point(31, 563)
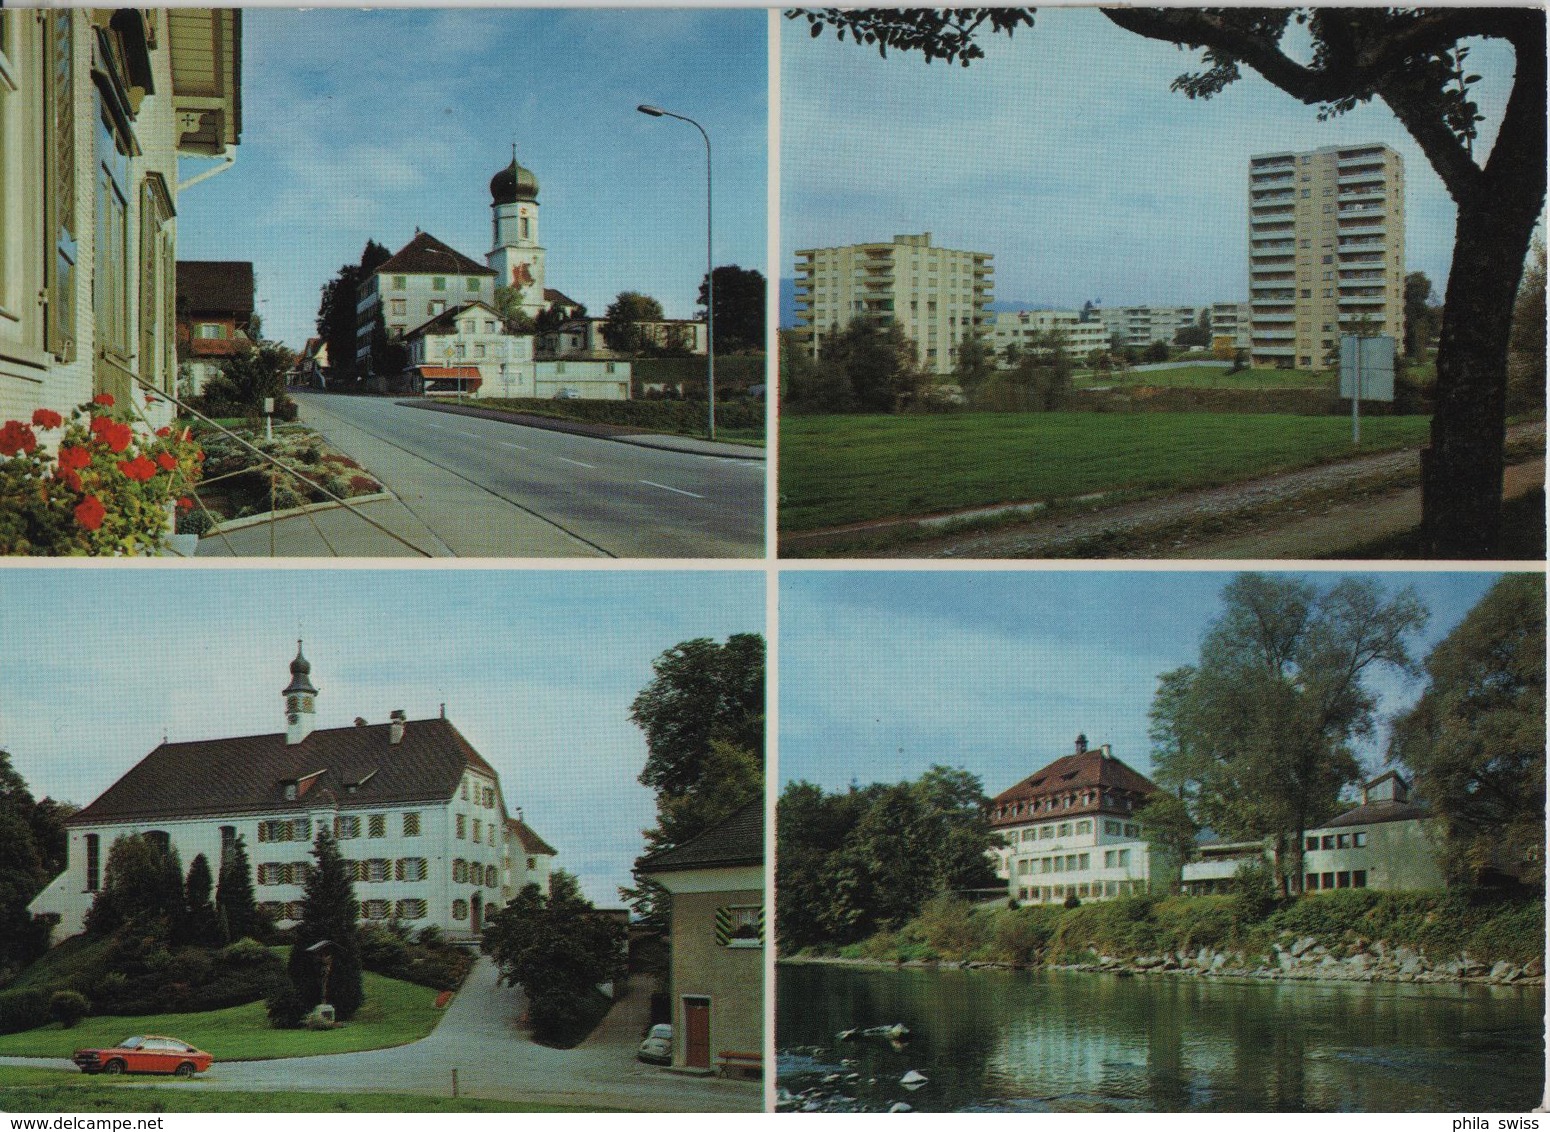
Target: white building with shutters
point(419, 814)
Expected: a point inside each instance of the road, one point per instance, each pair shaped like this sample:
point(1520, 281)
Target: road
point(472, 487)
point(480, 1037)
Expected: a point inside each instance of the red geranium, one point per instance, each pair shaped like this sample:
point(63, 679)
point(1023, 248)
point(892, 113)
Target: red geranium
point(115, 435)
point(103, 399)
point(72, 457)
point(167, 461)
point(185, 503)
point(71, 479)
point(164, 431)
point(16, 437)
point(47, 418)
point(139, 468)
point(90, 512)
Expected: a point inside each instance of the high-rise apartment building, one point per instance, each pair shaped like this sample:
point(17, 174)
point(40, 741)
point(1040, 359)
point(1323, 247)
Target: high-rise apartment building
point(1139, 327)
point(1030, 332)
point(1326, 251)
point(936, 295)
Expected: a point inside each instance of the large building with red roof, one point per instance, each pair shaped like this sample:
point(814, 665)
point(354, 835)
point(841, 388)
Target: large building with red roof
point(1070, 829)
point(418, 813)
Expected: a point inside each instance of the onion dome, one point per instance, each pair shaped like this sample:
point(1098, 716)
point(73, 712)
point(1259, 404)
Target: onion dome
point(513, 183)
point(301, 675)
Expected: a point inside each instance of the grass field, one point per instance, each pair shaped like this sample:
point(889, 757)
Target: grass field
point(47, 1090)
point(848, 469)
point(1211, 377)
point(395, 1012)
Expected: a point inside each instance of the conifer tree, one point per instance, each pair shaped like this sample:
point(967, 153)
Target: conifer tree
point(328, 911)
point(235, 909)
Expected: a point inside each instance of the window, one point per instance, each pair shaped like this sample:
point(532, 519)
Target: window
point(465, 790)
point(491, 877)
point(228, 839)
point(462, 826)
point(347, 826)
point(1132, 830)
point(460, 909)
point(1359, 839)
point(60, 202)
point(1083, 861)
point(460, 871)
point(1311, 844)
point(1327, 841)
point(376, 870)
point(438, 282)
point(489, 326)
point(1111, 828)
point(93, 862)
point(293, 910)
point(740, 925)
point(1046, 831)
point(399, 282)
point(1123, 858)
point(1342, 841)
point(374, 909)
point(1083, 828)
point(210, 331)
point(471, 283)
point(1060, 864)
point(1343, 880)
point(111, 244)
point(478, 830)
point(1359, 878)
point(435, 307)
point(410, 868)
point(1310, 883)
point(411, 909)
point(532, 863)
point(399, 307)
point(489, 798)
point(272, 909)
point(269, 873)
point(412, 825)
point(1327, 880)
point(1065, 829)
point(490, 834)
point(376, 825)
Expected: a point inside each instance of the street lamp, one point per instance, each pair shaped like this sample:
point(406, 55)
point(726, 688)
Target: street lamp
point(710, 270)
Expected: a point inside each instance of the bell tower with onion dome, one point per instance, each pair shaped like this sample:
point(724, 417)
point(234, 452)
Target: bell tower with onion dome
point(516, 257)
point(300, 700)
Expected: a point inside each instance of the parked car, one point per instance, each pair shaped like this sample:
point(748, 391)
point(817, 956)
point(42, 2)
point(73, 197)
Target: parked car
point(657, 1049)
point(149, 1053)
point(567, 394)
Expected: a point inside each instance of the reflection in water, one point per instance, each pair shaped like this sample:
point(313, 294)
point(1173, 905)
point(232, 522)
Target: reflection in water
point(1067, 1041)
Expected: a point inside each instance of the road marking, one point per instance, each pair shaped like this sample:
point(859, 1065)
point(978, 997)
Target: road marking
point(509, 444)
point(475, 435)
point(578, 463)
point(436, 426)
point(664, 487)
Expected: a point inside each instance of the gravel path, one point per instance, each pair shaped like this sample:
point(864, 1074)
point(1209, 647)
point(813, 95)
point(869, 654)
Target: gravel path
point(1186, 524)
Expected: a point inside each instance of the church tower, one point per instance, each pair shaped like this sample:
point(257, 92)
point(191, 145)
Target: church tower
point(300, 700)
point(517, 258)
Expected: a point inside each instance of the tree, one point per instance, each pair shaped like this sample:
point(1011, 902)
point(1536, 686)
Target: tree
point(235, 909)
point(508, 303)
point(622, 329)
point(1166, 825)
point(1256, 735)
point(853, 863)
point(558, 948)
point(336, 321)
point(1421, 318)
point(142, 887)
point(202, 927)
point(1197, 333)
point(1475, 740)
point(328, 910)
point(975, 360)
point(878, 363)
point(739, 308)
point(1414, 60)
point(1526, 359)
point(1156, 351)
point(246, 379)
point(703, 718)
point(805, 384)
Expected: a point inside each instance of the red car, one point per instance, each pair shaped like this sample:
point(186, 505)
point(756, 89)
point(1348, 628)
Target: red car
point(150, 1053)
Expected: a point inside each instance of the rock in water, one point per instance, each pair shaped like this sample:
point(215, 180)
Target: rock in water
point(899, 1106)
point(914, 1079)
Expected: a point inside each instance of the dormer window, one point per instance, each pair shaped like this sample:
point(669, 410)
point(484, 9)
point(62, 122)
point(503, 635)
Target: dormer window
point(290, 791)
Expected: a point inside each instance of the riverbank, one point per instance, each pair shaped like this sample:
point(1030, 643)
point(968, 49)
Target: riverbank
point(1356, 935)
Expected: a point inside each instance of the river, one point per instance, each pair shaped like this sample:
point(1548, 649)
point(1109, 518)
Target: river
point(1035, 1041)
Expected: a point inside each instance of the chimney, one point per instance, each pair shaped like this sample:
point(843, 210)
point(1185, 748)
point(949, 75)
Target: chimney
point(1108, 751)
point(519, 813)
point(396, 732)
point(1081, 744)
point(360, 721)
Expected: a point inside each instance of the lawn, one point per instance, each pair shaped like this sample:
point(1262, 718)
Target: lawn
point(395, 1013)
point(847, 469)
point(1212, 377)
point(48, 1090)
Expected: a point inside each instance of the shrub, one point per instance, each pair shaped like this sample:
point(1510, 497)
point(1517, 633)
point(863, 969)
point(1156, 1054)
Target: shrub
point(1020, 936)
point(430, 936)
point(244, 953)
point(23, 1010)
point(947, 925)
point(1073, 901)
point(195, 522)
point(285, 1007)
point(67, 1007)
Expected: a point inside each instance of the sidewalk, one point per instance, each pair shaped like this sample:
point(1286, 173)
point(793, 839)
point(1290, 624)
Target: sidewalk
point(622, 433)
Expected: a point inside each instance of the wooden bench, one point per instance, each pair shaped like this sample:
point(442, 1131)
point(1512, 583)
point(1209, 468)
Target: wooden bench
point(739, 1060)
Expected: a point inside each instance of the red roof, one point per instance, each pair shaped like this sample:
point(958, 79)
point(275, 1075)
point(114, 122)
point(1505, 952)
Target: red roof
point(426, 255)
point(1084, 781)
point(448, 371)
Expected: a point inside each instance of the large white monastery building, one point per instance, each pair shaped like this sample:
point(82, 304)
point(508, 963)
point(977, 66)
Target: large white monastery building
point(419, 813)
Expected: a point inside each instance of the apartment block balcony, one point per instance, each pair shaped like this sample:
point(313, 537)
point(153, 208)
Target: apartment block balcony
point(1363, 192)
point(1272, 334)
point(1364, 228)
point(1366, 178)
point(1273, 298)
point(1360, 279)
point(1364, 304)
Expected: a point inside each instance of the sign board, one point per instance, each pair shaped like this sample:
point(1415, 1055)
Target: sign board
point(1376, 358)
point(268, 404)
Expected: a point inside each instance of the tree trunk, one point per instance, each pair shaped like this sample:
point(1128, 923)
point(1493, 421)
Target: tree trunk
point(1461, 470)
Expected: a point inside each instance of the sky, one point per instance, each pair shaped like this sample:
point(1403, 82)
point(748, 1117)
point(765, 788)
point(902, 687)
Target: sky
point(537, 670)
point(1065, 155)
point(883, 674)
point(363, 125)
